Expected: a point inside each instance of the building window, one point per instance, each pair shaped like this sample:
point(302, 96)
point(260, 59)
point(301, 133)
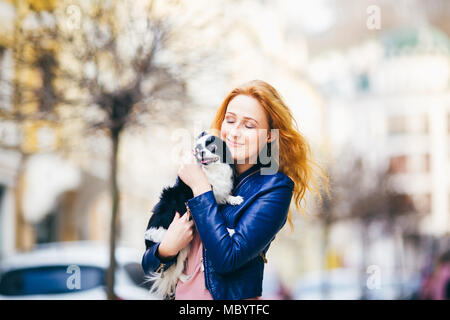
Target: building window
point(419, 124)
point(414, 124)
point(422, 203)
point(427, 163)
point(2, 191)
point(6, 67)
point(397, 124)
point(410, 164)
point(47, 229)
point(419, 163)
point(398, 164)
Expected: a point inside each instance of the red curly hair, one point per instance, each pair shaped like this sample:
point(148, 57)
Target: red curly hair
point(295, 156)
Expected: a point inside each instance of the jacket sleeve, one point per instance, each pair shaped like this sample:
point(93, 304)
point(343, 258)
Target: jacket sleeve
point(256, 228)
point(151, 261)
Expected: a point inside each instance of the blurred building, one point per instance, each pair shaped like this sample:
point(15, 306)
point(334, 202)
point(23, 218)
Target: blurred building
point(50, 191)
point(388, 99)
point(54, 180)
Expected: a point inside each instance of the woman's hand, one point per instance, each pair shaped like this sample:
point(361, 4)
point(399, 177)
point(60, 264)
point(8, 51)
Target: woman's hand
point(192, 174)
point(177, 236)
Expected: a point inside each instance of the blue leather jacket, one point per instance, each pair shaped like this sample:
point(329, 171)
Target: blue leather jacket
point(234, 261)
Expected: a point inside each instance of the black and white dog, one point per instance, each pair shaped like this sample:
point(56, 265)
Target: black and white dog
point(217, 163)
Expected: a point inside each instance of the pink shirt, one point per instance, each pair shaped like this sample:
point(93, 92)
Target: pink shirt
point(194, 288)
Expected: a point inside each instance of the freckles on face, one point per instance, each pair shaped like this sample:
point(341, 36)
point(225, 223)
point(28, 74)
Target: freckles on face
point(245, 128)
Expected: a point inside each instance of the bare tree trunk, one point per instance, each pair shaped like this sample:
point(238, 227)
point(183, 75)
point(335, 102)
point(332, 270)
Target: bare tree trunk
point(114, 214)
point(24, 231)
point(325, 277)
point(364, 254)
point(399, 261)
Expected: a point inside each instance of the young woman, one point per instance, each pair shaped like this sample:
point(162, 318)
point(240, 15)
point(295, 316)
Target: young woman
point(229, 243)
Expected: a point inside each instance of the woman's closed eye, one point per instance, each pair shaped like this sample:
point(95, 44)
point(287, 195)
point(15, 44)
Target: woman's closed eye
point(247, 124)
point(229, 120)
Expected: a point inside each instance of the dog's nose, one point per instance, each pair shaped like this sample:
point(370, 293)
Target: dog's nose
point(210, 139)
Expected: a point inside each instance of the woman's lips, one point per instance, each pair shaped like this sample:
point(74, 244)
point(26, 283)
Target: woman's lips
point(234, 144)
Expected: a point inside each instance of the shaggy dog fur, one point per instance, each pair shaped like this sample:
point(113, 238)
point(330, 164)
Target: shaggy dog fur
point(217, 163)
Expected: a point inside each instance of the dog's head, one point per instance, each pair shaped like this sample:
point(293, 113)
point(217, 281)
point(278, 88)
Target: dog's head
point(211, 149)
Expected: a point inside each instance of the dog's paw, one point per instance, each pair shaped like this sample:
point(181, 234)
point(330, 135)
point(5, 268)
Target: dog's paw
point(235, 200)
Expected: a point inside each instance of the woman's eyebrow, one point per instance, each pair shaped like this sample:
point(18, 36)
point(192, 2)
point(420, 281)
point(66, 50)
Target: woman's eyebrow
point(244, 117)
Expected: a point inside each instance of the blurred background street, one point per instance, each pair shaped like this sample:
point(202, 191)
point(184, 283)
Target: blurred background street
point(99, 98)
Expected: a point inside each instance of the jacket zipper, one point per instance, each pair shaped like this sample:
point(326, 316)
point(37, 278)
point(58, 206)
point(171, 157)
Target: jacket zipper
point(202, 261)
point(205, 271)
point(246, 178)
point(162, 265)
point(205, 274)
point(263, 256)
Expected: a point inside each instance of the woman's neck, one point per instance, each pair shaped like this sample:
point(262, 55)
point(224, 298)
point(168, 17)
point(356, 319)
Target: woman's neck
point(240, 168)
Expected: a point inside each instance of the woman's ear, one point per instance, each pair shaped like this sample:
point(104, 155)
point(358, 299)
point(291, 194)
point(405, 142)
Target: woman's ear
point(272, 135)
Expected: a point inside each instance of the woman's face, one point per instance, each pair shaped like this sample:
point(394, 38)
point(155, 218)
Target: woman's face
point(245, 128)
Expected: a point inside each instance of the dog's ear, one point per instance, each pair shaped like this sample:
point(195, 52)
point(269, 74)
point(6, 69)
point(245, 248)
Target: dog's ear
point(204, 133)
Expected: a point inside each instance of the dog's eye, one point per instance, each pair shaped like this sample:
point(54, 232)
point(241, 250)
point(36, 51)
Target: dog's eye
point(213, 148)
point(210, 140)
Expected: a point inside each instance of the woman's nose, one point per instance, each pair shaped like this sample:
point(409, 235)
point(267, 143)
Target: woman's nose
point(235, 131)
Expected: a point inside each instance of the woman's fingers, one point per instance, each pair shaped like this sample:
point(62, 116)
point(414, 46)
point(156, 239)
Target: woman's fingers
point(188, 224)
point(188, 214)
point(185, 217)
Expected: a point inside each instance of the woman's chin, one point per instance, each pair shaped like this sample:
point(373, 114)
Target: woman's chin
point(240, 156)
point(234, 152)
point(240, 159)
point(237, 157)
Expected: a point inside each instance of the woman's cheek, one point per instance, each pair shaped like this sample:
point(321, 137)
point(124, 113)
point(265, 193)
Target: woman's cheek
point(223, 131)
point(253, 152)
point(253, 145)
point(239, 153)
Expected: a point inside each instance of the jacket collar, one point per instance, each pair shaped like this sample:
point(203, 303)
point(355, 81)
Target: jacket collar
point(244, 174)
